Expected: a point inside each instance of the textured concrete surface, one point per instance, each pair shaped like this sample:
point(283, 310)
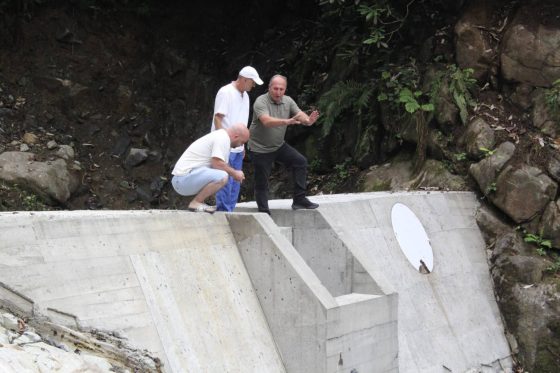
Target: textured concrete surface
point(316, 327)
point(326, 290)
point(171, 282)
point(448, 319)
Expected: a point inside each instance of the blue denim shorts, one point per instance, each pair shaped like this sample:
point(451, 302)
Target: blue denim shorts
point(193, 182)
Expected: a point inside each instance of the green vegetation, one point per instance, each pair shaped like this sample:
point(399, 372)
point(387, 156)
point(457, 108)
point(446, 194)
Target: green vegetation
point(410, 101)
point(401, 89)
point(544, 248)
point(377, 21)
point(404, 95)
point(460, 157)
point(552, 98)
point(537, 239)
point(13, 198)
point(377, 15)
point(491, 188)
point(344, 97)
point(487, 152)
point(32, 202)
point(365, 92)
point(316, 165)
point(555, 266)
point(342, 170)
point(460, 83)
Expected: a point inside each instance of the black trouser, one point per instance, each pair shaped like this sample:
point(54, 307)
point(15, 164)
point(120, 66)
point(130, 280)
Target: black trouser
point(263, 163)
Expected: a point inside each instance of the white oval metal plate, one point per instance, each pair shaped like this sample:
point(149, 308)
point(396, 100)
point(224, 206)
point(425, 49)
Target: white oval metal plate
point(412, 238)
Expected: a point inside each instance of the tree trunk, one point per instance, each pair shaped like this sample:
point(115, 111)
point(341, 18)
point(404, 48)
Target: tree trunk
point(422, 131)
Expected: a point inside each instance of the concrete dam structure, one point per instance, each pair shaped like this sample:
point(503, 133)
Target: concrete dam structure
point(376, 282)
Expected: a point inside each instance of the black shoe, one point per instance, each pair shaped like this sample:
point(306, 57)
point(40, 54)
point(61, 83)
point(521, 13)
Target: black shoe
point(265, 211)
point(304, 203)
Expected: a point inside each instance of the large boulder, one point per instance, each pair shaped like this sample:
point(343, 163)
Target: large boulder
point(549, 226)
point(553, 167)
point(543, 117)
point(531, 45)
point(523, 192)
point(399, 175)
point(390, 176)
point(486, 171)
point(52, 180)
point(435, 175)
point(478, 135)
point(473, 45)
point(490, 225)
point(529, 302)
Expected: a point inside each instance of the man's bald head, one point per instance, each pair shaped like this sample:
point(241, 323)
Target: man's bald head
point(238, 134)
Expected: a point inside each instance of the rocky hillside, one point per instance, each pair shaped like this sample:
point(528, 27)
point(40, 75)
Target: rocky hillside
point(104, 96)
point(98, 100)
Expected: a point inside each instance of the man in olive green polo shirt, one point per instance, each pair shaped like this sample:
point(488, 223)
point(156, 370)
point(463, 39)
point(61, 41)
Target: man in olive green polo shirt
point(273, 112)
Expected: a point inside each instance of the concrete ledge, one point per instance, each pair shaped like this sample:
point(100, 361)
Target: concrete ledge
point(15, 301)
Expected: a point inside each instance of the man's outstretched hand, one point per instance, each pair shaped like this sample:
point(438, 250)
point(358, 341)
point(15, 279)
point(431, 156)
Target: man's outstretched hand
point(312, 117)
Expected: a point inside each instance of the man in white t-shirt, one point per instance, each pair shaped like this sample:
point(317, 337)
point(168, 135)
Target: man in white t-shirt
point(232, 106)
point(203, 169)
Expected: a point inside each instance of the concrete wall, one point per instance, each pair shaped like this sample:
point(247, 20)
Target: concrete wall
point(171, 282)
point(314, 331)
point(327, 255)
point(229, 292)
point(448, 319)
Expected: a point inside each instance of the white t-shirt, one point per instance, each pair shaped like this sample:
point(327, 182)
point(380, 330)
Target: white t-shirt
point(200, 153)
point(234, 105)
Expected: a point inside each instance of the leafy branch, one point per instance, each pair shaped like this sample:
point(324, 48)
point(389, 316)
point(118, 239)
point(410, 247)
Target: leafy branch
point(382, 22)
point(538, 240)
point(344, 96)
point(402, 90)
point(460, 84)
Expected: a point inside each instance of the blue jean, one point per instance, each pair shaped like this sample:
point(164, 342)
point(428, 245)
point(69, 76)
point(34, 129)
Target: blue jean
point(226, 198)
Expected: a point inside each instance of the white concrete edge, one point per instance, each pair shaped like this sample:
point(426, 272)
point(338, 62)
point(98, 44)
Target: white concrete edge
point(343, 197)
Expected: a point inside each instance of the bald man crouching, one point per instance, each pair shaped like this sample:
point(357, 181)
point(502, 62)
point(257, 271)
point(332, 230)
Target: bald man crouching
point(203, 169)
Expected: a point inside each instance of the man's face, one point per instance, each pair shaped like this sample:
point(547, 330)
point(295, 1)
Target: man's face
point(248, 84)
point(276, 89)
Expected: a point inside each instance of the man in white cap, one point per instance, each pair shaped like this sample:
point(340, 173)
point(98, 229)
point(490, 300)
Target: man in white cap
point(232, 106)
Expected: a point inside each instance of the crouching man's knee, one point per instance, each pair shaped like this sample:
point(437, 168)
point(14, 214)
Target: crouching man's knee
point(223, 181)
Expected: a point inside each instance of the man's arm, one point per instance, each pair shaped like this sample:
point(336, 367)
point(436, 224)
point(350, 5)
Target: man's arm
point(299, 118)
point(219, 164)
point(307, 120)
point(218, 117)
point(269, 121)
point(221, 105)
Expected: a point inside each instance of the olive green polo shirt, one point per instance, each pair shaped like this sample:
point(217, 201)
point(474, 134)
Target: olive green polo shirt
point(268, 139)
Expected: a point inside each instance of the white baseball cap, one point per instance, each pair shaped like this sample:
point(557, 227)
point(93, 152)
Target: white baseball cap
point(251, 73)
